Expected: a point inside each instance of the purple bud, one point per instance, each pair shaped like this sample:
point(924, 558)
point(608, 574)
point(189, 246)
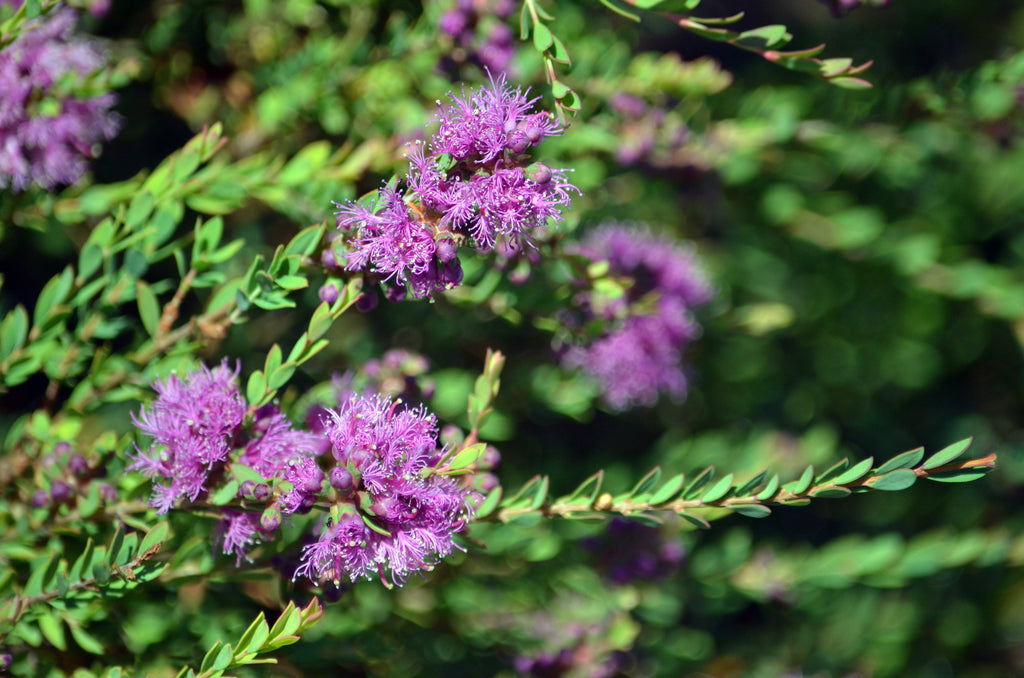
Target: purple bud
point(78, 465)
point(520, 275)
point(341, 479)
point(453, 23)
point(329, 293)
point(99, 8)
point(60, 491)
point(446, 250)
point(261, 492)
point(328, 260)
point(108, 493)
point(40, 498)
point(245, 489)
point(396, 295)
point(539, 172)
point(367, 301)
point(48, 461)
point(270, 520)
point(451, 273)
point(6, 659)
point(62, 448)
point(307, 504)
point(485, 482)
point(532, 130)
point(491, 457)
point(517, 142)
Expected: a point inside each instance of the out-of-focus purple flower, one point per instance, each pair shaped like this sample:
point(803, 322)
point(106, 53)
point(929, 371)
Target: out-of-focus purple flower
point(841, 7)
point(479, 35)
point(192, 423)
point(402, 513)
point(238, 531)
point(47, 131)
point(640, 355)
point(473, 184)
point(629, 551)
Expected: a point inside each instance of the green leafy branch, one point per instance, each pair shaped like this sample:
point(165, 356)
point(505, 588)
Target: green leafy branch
point(258, 639)
point(531, 19)
point(751, 498)
point(100, 571)
point(763, 41)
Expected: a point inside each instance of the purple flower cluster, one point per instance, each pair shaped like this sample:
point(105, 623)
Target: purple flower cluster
point(396, 511)
point(476, 185)
point(193, 423)
point(640, 354)
point(492, 47)
point(48, 124)
point(841, 7)
point(648, 134)
point(629, 551)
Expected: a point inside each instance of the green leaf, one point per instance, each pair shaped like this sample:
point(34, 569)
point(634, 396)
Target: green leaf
point(559, 89)
point(899, 479)
point(149, 308)
point(54, 293)
point(211, 656)
point(467, 456)
point(78, 568)
point(752, 510)
point(43, 571)
point(851, 83)
point(53, 630)
point(101, 573)
point(155, 537)
point(668, 489)
point(225, 494)
point(13, 331)
point(718, 490)
point(702, 479)
point(248, 642)
point(305, 241)
point(241, 473)
point(965, 475)
point(831, 493)
point(139, 210)
point(647, 482)
point(747, 487)
point(801, 485)
point(696, 520)
point(906, 460)
point(87, 641)
point(542, 38)
point(947, 454)
point(832, 472)
point(619, 10)
point(770, 36)
point(540, 493)
point(129, 547)
point(558, 52)
point(770, 489)
point(490, 503)
point(855, 472)
point(287, 623)
point(256, 387)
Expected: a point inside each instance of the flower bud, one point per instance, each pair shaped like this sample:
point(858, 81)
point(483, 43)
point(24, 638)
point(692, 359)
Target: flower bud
point(329, 293)
point(40, 498)
point(78, 465)
point(367, 301)
point(446, 250)
point(261, 491)
point(539, 172)
point(328, 260)
point(245, 489)
point(270, 520)
point(341, 480)
point(60, 491)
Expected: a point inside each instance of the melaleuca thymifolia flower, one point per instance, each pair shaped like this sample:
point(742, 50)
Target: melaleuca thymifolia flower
point(395, 511)
point(639, 353)
point(474, 184)
point(193, 423)
point(49, 120)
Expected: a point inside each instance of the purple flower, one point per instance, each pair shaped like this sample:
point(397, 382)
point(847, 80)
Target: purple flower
point(400, 512)
point(192, 422)
point(472, 184)
point(47, 131)
point(640, 353)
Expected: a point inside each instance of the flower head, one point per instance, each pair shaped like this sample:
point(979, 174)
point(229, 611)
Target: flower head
point(473, 183)
point(47, 131)
point(192, 422)
point(399, 513)
point(640, 354)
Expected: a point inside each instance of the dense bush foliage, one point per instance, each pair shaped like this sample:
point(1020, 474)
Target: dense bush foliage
point(496, 338)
